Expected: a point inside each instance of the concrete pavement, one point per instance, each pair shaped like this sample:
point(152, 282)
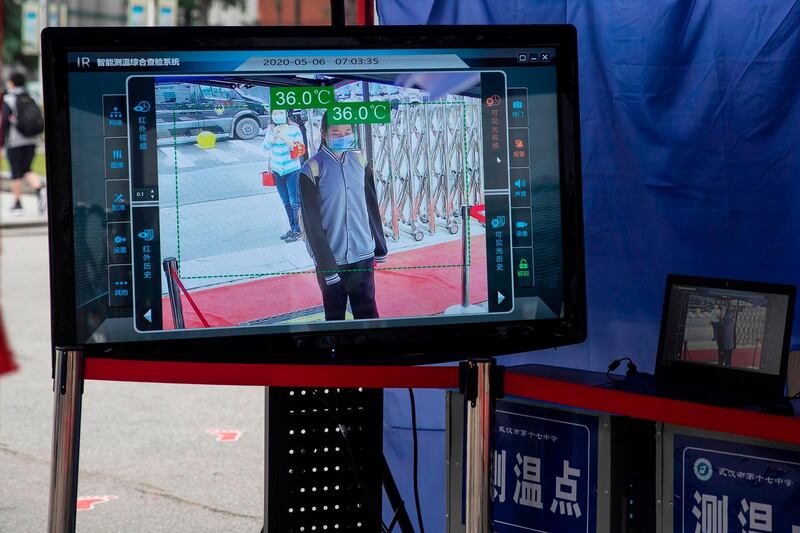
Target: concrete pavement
point(29, 218)
point(145, 443)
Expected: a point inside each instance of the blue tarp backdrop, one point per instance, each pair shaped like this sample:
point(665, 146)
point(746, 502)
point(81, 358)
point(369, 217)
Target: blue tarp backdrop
point(690, 124)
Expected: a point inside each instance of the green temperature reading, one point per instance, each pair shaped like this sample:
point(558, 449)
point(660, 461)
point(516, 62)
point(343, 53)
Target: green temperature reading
point(359, 113)
point(300, 97)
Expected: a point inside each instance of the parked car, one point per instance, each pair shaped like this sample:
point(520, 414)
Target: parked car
point(186, 109)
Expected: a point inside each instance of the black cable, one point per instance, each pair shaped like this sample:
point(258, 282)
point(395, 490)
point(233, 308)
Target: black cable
point(393, 523)
point(343, 431)
point(416, 457)
point(631, 371)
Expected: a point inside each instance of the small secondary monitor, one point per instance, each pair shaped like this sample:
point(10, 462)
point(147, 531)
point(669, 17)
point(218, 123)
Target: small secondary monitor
point(362, 193)
point(737, 326)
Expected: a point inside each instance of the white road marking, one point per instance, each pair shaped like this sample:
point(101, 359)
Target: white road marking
point(250, 147)
point(183, 160)
point(221, 155)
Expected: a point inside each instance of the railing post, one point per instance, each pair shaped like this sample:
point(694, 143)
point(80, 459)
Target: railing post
point(170, 271)
point(478, 392)
point(68, 389)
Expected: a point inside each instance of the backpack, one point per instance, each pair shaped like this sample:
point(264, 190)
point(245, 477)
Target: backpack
point(28, 117)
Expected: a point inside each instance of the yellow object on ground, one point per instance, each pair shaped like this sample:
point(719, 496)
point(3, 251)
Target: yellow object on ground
point(206, 139)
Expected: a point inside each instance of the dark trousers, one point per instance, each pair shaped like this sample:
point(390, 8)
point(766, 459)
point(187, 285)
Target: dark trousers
point(289, 192)
point(20, 159)
point(357, 284)
point(725, 357)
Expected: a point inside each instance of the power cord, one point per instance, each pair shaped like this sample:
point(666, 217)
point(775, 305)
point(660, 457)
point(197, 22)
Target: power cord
point(343, 431)
point(615, 364)
point(416, 457)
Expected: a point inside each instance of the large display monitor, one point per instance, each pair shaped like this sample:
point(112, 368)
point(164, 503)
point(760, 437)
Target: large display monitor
point(314, 194)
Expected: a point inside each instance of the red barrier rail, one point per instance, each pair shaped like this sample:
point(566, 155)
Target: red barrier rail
point(430, 377)
point(708, 417)
point(189, 299)
point(557, 391)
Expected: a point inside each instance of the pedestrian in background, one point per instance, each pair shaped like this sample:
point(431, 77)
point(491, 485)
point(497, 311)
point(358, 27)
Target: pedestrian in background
point(283, 143)
point(22, 124)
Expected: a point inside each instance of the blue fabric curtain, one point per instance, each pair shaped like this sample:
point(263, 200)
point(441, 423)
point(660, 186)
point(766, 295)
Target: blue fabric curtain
point(690, 123)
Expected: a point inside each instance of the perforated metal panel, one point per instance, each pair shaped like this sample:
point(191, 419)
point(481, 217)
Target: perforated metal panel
point(316, 480)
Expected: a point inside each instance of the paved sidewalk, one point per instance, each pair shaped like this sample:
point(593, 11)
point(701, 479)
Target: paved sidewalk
point(148, 444)
point(29, 218)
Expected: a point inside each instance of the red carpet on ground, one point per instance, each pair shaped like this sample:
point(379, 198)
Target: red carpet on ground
point(399, 293)
point(741, 358)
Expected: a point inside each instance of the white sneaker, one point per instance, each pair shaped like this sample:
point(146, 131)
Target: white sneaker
point(42, 200)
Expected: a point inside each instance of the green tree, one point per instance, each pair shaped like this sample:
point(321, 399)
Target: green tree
point(12, 38)
point(12, 42)
point(195, 12)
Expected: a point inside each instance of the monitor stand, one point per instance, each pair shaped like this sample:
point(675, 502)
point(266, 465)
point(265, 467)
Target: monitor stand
point(67, 392)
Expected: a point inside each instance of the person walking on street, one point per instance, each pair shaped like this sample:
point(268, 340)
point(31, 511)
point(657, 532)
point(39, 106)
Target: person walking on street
point(282, 141)
point(22, 124)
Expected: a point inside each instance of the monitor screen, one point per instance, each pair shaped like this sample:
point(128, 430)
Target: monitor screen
point(725, 327)
point(286, 187)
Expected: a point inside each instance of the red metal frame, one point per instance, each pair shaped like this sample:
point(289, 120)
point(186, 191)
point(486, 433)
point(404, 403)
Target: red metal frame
point(264, 375)
point(365, 12)
point(708, 417)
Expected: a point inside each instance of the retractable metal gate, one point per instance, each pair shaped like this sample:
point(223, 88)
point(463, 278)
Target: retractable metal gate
point(427, 163)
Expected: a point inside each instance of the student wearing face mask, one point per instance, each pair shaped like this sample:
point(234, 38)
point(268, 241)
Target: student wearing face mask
point(342, 223)
point(280, 143)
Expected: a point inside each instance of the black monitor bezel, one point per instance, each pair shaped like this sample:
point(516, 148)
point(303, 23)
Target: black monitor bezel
point(436, 343)
point(743, 379)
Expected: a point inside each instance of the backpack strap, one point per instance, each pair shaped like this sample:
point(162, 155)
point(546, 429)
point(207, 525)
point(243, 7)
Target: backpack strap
point(362, 160)
point(313, 166)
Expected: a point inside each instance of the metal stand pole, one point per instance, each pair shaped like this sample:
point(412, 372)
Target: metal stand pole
point(465, 255)
point(170, 269)
point(478, 392)
point(68, 388)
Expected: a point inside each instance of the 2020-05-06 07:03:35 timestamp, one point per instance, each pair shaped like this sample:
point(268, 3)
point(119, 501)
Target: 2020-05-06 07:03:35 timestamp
point(320, 61)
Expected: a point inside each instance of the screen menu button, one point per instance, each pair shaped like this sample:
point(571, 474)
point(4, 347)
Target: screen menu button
point(115, 115)
point(120, 290)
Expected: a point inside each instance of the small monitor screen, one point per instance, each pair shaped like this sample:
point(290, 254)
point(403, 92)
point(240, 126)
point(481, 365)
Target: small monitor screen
point(734, 329)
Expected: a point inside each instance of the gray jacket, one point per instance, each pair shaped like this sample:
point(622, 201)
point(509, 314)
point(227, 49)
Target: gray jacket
point(339, 206)
point(12, 138)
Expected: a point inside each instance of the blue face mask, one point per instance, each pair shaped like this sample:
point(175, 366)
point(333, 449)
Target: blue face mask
point(279, 118)
point(342, 144)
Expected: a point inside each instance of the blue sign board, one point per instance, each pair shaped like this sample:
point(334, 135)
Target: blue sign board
point(723, 487)
point(544, 470)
